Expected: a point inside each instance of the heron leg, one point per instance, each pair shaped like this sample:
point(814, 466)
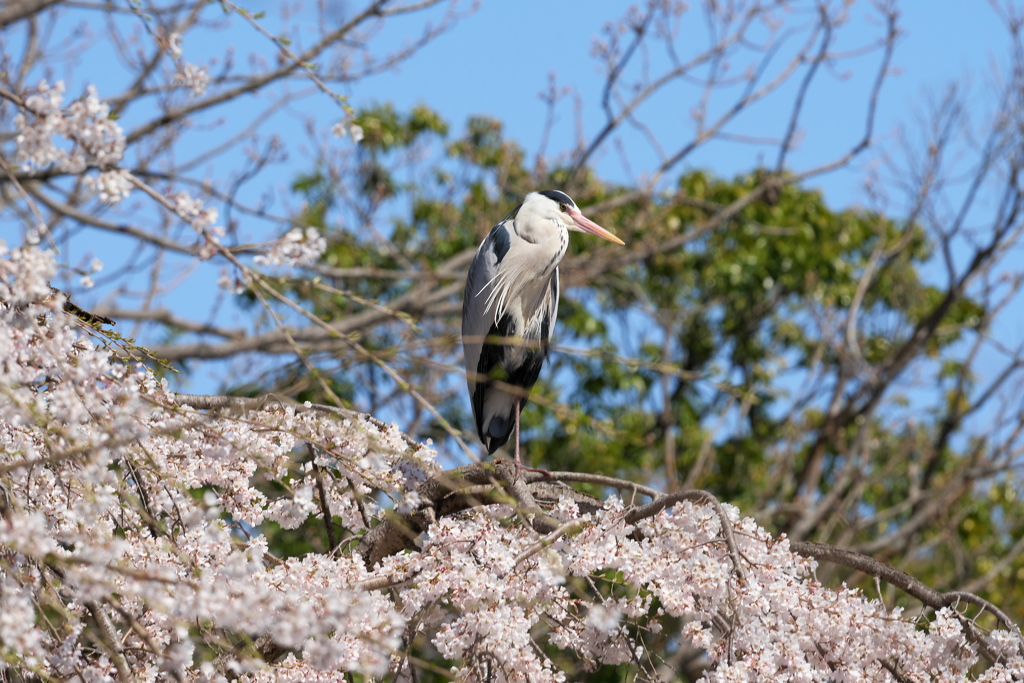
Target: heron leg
point(519, 409)
point(519, 461)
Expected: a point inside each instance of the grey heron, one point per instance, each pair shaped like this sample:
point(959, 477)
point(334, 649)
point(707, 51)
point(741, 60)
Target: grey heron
point(510, 306)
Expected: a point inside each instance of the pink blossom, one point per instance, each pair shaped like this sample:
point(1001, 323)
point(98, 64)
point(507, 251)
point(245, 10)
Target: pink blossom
point(297, 247)
point(101, 473)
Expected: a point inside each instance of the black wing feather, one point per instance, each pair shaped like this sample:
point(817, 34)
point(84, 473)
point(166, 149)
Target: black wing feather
point(493, 364)
point(500, 242)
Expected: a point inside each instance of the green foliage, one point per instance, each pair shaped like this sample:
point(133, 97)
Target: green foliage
point(385, 130)
point(735, 303)
point(697, 353)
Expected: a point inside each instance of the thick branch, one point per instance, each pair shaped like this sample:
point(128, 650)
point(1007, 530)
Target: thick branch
point(16, 10)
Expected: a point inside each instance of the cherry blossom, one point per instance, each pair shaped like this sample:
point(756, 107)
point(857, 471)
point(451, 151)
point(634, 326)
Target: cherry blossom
point(192, 211)
point(112, 186)
point(97, 140)
point(297, 247)
point(348, 127)
point(133, 519)
point(191, 76)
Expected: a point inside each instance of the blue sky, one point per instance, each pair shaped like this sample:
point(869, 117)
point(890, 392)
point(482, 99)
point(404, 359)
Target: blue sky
point(499, 59)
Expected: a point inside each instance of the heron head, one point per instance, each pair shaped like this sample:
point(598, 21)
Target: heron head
point(559, 207)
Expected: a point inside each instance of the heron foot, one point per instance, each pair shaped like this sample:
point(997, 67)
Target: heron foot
point(520, 467)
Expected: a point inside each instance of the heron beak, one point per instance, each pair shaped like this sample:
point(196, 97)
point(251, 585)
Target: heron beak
point(584, 224)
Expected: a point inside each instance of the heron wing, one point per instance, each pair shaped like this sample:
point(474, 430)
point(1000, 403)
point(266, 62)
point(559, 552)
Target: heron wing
point(477, 315)
point(493, 405)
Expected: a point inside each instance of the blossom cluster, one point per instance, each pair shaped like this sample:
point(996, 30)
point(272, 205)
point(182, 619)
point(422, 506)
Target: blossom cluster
point(347, 127)
point(111, 186)
point(100, 472)
point(136, 535)
point(191, 210)
point(196, 78)
point(186, 75)
point(201, 219)
point(297, 247)
point(91, 138)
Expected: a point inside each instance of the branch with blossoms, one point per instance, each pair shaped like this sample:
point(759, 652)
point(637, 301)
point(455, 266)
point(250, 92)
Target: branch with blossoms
point(55, 141)
point(70, 158)
point(132, 514)
point(99, 143)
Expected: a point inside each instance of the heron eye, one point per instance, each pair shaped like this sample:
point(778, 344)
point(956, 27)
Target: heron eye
point(564, 208)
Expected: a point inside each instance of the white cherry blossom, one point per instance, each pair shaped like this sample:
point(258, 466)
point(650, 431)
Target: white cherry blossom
point(147, 514)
